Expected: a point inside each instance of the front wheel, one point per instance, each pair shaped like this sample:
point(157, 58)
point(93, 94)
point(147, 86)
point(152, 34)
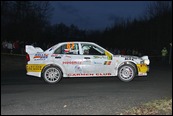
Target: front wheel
point(126, 73)
point(52, 74)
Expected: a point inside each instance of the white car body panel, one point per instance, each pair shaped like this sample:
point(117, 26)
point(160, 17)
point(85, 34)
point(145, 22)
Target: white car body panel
point(80, 65)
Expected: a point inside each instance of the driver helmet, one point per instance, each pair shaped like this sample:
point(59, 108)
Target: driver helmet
point(85, 49)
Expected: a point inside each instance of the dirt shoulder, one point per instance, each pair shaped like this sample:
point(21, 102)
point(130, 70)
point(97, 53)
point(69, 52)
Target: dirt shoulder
point(156, 107)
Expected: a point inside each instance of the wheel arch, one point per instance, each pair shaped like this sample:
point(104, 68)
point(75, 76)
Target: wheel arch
point(129, 63)
point(54, 65)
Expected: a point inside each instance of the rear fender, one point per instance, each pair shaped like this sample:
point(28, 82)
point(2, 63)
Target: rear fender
point(49, 65)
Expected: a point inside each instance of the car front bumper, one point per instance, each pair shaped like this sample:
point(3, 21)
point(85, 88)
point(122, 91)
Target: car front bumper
point(143, 69)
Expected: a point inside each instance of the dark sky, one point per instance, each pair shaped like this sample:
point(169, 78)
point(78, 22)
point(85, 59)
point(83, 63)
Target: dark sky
point(95, 14)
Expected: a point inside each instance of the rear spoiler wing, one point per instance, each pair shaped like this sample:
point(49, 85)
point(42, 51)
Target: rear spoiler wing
point(32, 50)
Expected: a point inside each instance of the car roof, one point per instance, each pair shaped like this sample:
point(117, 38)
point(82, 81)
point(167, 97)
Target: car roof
point(60, 43)
point(77, 42)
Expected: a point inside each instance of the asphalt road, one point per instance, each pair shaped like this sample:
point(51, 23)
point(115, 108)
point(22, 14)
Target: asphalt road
point(21, 94)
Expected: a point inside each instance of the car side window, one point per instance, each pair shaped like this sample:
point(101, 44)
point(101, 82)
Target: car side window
point(69, 48)
point(58, 50)
point(92, 50)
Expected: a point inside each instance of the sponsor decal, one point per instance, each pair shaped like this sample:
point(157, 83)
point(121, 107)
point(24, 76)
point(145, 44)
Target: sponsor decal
point(71, 48)
point(68, 56)
point(97, 56)
point(117, 61)
point(86, 62)
point(108, 55)
point(55, 55)
point(34, 67)
point(142, 68)
point(78, 69)
point(142, 74)
point(90, 74)
point(70, 45)
point(40, 56)
point(129, 57)
point(101, 57)
point(97, 62)
point(107, 62)
point(72, 62)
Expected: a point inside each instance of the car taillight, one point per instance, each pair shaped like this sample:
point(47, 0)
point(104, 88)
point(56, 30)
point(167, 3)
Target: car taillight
point(27, 57)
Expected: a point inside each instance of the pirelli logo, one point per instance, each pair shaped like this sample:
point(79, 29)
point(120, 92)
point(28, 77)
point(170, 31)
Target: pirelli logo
point(107, 62)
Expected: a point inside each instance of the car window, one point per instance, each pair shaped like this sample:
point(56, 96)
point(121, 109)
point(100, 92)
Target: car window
point(91, 50)
point(58, 50)
point(69, 48)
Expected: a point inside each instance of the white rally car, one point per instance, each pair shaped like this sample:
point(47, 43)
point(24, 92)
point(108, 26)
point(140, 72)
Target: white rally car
point(82, 59)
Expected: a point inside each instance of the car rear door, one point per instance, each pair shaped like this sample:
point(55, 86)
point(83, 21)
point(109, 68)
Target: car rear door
point(68, 57)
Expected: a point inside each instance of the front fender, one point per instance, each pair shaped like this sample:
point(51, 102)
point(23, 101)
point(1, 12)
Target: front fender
point(129, 63)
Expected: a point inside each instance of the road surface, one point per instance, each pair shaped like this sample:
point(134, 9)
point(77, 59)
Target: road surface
point(21, 94)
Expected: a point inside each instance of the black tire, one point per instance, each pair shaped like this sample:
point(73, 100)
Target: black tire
point(52, 74)
point(126, 73)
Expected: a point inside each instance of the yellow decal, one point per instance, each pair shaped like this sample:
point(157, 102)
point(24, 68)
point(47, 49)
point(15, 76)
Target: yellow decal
point(34, 67)
point(142, 68)
point(108, 55)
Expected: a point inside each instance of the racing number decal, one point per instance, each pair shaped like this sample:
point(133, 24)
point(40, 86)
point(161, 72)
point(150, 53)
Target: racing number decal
point(70, 45)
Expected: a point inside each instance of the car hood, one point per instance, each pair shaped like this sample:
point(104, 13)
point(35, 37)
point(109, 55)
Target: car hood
point(136, 59)
point(127, 57)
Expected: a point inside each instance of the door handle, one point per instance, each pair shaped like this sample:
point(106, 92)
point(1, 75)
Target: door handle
point(86, 57)
point(57, 57)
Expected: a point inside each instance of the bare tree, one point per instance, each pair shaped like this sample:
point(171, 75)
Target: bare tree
point(158, 8)
point(24, 19)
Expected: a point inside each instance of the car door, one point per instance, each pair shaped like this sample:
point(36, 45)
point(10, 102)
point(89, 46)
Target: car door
point(96, 61)
point(68, 57)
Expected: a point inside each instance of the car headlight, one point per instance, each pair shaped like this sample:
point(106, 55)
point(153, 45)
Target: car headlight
point(147, 62)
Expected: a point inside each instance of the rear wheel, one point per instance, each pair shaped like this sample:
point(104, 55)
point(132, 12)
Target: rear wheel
point(126, 73)
point(52, 74)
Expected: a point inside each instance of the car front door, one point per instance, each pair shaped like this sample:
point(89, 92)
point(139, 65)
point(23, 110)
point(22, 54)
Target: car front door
point(96, 61)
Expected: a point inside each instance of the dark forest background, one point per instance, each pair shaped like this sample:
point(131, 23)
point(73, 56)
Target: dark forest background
point(29, 21)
